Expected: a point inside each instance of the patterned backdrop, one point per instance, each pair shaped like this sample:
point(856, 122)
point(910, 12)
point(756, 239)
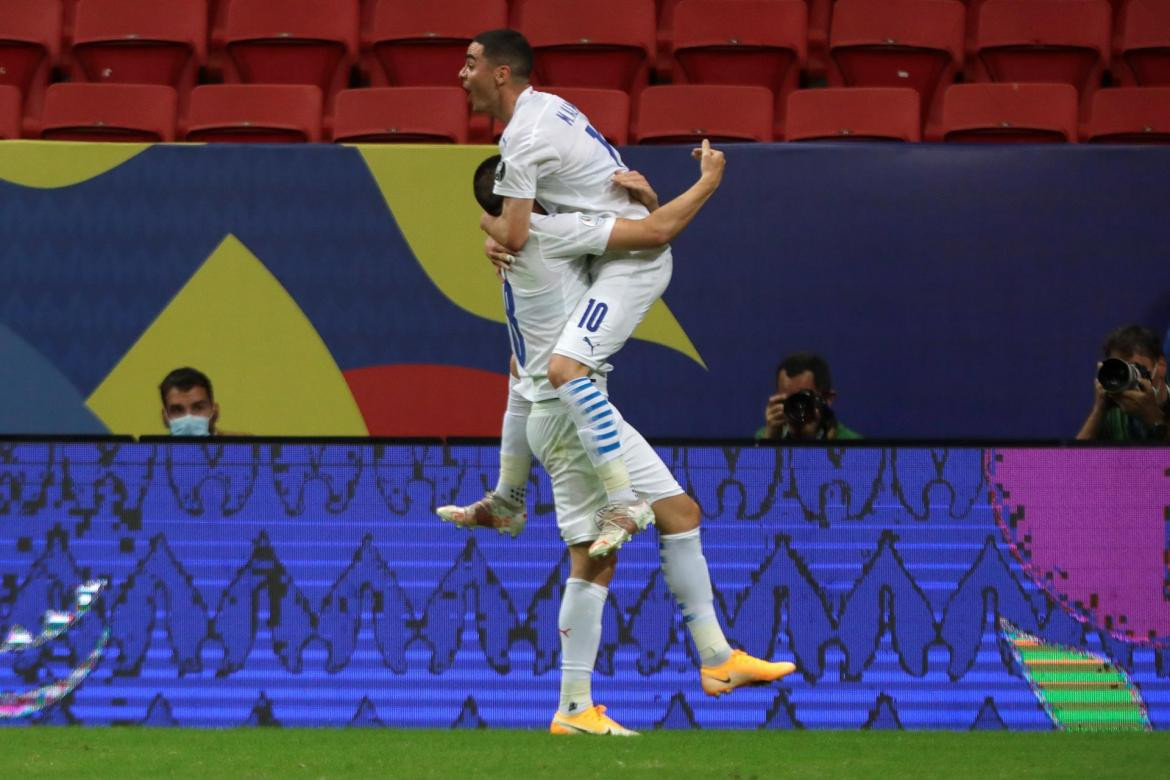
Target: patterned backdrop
point(311, 585)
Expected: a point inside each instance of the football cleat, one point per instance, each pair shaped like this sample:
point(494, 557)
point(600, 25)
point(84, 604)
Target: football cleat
point(617, 523)
point(742, 669)
point(591, 721)
point(491, 511)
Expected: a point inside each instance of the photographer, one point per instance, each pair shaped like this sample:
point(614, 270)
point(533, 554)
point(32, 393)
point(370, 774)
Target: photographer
point(1132, 401)
point(801, 409)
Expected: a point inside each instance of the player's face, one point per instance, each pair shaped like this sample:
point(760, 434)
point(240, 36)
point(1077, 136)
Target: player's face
point(479, 80)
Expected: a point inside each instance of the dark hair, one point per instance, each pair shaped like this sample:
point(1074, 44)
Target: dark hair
point(1132, 340)
point(507, 47)
point(184, 379)
point(808, 361)
point(483, 182)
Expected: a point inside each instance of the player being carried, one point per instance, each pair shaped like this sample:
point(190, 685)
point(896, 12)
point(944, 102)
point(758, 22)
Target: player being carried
point(548, 279)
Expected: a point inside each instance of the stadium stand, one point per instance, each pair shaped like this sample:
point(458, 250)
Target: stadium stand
point(419, 44)
point(255, 113)
point(898, 43)
point(607, 44)
point(760, 43)
point(1064, 41)
point(687, 113)
point(1145, 44)
point(1130, 115)
point(292, 42)
point(141, 42)
point(854, 114)
point(1010, 113)
point(9, 112)
point(30, 44)
point(401, 115)
point(82, 111)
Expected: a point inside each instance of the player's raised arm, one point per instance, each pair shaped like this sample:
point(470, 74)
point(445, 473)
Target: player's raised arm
point(667, 221)
point(510, 229)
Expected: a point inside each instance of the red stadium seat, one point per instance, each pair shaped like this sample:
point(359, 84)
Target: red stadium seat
point(30, 43)
point(688, 113)
point(255, 113)
point(9, 112)
point(141, 42)
point(79, 111)
point(1047, 41)
point(897, 43)
point(607, 44)
point(1130, 115)
point(1145, 43)
point(292, 42)
point(1010, 113)
point(608, 110)
point(419, 43)
point(401, 115)
point(854, 114)
point(751, 42)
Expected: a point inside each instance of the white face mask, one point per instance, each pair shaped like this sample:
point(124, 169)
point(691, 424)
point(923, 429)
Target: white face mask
point(190, 425)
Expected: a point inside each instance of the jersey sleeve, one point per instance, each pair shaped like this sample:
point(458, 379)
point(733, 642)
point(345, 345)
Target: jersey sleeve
point(526, 158)
point(572, 234)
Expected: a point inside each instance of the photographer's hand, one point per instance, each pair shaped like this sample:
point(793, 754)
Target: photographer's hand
point(774, 417)
point(1142, 403)
point(1092, 425)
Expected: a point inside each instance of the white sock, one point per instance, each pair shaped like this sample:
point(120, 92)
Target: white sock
point(515, 454)
point(600, 427)
point(580, 626)
point(685, 570)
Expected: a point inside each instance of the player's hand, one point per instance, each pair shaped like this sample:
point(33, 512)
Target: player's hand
point(638, 187)
point(774, 417)
point(501, 258)
point(711, 162)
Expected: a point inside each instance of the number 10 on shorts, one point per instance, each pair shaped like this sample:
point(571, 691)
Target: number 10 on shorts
point(595, 312)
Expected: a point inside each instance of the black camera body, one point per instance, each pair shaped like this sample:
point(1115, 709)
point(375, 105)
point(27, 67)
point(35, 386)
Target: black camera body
point(1117, 375)
point(806, 405)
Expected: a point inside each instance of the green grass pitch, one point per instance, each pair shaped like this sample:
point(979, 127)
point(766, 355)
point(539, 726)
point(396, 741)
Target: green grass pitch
point(99, 753)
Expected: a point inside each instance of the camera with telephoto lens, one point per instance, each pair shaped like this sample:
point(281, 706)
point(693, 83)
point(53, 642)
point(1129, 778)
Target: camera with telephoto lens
point(804, 406)
point(1116, 375)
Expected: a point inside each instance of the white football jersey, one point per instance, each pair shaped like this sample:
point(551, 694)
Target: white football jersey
point(551, 153)
point(544, 285)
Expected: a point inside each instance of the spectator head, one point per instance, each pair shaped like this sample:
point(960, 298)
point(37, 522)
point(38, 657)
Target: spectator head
point(1135, 344)
point(805, 371)
point(188, 404)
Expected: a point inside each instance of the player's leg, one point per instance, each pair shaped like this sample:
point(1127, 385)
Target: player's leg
point(600, 325)
point(684, 568)
point(577, 494)
point(505, 508)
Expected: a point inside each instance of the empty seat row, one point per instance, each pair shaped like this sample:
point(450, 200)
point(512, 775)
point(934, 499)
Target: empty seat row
point(605, 44)
point(974, 113)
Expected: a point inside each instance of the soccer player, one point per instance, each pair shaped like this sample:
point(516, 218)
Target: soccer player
point(553, 156)
point(544, 281)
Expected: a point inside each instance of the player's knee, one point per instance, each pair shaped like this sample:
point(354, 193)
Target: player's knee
point(677, 514)
point(563, 369)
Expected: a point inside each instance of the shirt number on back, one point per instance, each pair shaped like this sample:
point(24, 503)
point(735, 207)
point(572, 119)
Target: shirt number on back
point(513, 327)
point(601, 140)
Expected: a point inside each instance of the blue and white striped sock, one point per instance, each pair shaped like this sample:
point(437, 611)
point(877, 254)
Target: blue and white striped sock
point(599, 424)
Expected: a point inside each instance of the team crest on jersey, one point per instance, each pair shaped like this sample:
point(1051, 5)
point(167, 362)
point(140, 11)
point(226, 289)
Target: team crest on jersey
point(500, 170)
point(588, 220)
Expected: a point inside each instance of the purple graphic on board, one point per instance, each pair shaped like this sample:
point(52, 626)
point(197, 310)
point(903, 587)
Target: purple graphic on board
point(1091, 527)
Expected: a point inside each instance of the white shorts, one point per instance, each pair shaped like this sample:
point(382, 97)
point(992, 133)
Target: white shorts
point(577, 490)
point(625, 286)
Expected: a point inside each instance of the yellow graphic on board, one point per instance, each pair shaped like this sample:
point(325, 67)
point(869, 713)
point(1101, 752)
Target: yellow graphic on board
point(52, 164)
point(270, 370)
point(428, 190)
